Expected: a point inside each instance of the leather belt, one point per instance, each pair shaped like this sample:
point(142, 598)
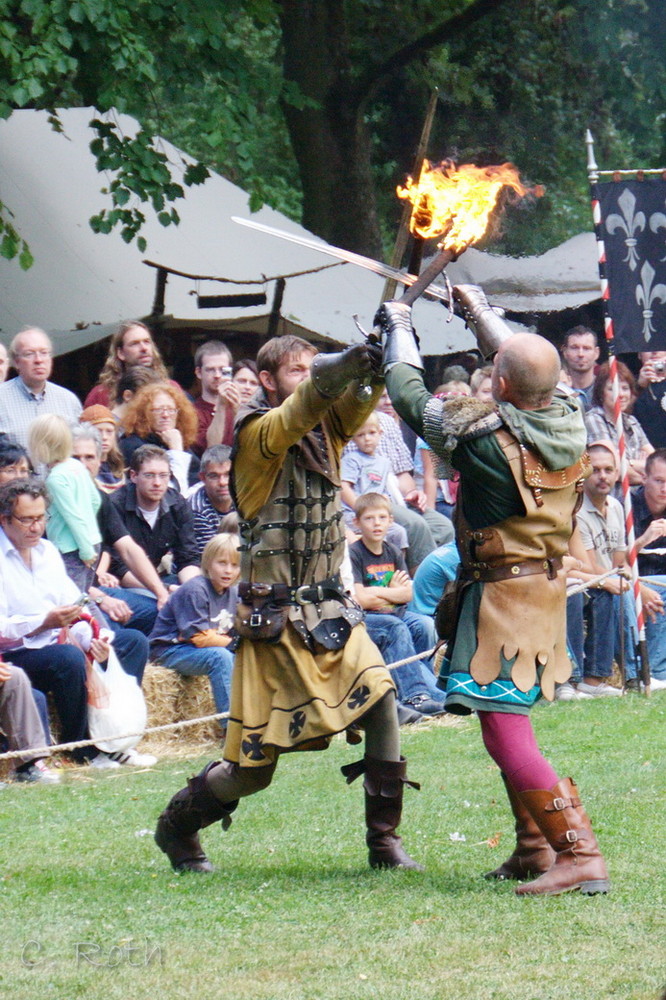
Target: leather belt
point(528, 567)
point(281, 593)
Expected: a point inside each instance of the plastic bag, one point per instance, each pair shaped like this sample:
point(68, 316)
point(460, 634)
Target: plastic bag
point(115, 701)
point(122, 711)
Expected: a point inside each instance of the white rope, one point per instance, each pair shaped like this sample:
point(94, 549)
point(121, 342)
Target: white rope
point(79, 744)
point(586, 584)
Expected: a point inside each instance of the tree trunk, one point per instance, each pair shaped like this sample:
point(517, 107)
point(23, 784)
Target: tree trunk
point(330, 139)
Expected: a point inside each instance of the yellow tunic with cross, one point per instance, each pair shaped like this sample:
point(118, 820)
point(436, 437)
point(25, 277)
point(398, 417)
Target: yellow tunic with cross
point(323, 673)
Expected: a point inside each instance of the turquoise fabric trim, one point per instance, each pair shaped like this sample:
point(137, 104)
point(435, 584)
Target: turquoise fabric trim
point(498, 696)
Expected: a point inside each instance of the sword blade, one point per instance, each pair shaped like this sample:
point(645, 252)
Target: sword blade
point(376, 266)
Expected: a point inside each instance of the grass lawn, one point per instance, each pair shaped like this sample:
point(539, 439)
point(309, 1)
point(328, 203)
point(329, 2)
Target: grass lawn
point(91, 909)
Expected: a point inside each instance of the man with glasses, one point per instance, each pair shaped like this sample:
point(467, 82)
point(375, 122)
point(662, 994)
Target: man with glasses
point(30, 394)
point(37, 599)
point(160, 521)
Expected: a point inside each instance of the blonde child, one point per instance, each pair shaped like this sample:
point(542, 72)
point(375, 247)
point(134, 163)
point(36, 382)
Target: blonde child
point(193, 631)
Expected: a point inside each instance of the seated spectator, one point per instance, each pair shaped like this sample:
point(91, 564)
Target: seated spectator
point(38, 599)
point(383, 588)
point(22, 726)
point(650, 406)
point(159, 520)
point(30, 394)
point(425, 528)
point(161, 414)
point(220, 397)
point(432, 576)
point(73, 499)
point(649, 508)
point(480, 384)
point(129, 384)
point(600, 421)
point(111, 473)
point(580, 353)
point(245, 376)
point(14, 462)
point(364, 471)
point(4, 363)
point(131, 345)
point(130, 644)
point(210, 500)
point(193, 633)
point(600, 521)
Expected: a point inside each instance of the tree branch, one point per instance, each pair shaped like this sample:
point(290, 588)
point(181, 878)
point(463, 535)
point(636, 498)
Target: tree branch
point(443, 32)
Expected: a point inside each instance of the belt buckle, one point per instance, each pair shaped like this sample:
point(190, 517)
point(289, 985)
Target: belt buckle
point(300, 599)
point(256, 619)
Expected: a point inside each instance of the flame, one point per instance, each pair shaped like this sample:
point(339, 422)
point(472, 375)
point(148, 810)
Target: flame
point(456, 203)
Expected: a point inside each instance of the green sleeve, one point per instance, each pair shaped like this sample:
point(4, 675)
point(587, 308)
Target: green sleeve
point(408, 394)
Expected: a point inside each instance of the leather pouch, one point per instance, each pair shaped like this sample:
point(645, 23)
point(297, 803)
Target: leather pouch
point(261, 621)
point(448, 609)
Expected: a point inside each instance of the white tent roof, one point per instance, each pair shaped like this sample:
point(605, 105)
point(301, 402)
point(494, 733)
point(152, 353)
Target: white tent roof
point(82, 284)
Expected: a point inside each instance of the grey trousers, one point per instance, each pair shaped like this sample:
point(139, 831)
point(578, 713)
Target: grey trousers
point(19, 718)
point(425, 532)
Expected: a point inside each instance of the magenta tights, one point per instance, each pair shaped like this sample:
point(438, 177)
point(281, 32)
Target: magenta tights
point(510, 741)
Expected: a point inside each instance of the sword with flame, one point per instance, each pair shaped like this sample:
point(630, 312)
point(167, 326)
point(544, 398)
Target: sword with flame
point(453, 204)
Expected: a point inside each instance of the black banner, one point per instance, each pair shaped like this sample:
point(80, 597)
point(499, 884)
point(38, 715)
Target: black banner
point(633, 229)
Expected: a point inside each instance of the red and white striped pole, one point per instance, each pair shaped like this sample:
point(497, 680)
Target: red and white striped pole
point(593, 176)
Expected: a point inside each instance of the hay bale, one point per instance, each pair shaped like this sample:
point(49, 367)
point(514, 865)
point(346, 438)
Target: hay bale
point(171, 697)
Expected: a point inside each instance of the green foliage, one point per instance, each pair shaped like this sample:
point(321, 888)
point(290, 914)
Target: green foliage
point(141, 174)
point(521, 83)
point(12, 245)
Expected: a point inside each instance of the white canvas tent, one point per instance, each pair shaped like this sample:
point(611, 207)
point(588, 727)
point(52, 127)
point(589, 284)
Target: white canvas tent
point(82, 283)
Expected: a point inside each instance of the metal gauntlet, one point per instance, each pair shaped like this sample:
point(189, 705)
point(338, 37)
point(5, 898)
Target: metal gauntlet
point(485, 322)
point(400, 341)
point(332, 373)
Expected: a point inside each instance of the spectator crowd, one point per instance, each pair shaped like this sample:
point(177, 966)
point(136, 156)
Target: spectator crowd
point(120, 509)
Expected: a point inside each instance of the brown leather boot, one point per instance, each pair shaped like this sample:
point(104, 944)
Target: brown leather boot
point(532, 854)
point(190, 810)
point(578, 861)
point(383, 808)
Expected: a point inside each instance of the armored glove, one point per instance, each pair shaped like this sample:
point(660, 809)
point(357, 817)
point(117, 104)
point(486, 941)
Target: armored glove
point(485, 322)
point(400, 342)
point(332, 373)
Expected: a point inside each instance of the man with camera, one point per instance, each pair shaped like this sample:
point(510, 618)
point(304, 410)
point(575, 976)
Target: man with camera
point(220, 397)
point(650, 407)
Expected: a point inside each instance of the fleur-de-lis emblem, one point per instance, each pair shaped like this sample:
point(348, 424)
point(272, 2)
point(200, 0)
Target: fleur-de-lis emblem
point(251, 747)
point(630, 222)
point(646, 294)
point(657, 222)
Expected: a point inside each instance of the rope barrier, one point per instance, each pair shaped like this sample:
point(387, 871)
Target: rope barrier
point(79, 744)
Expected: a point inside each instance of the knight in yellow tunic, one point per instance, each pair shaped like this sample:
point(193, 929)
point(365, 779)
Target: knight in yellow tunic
point(306, 668)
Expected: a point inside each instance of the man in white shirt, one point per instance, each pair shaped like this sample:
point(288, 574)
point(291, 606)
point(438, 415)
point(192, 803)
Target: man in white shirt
point(30, 394)
point(601, 523)
point(37, 599)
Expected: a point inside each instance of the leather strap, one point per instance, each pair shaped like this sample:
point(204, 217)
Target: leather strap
point(528, 567)
point(281, 593)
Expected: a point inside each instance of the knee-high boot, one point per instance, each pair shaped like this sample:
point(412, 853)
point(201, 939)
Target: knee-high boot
point(191, 809)
point(578, 863)
point(532, 854)
point(383, 785)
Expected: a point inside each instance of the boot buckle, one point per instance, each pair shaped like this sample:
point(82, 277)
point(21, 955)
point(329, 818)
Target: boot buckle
point(571, 836)
point(559, 804)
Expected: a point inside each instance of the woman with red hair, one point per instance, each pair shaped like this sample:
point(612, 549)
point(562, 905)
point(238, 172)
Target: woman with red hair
point(600, 421)
point(161, 414)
